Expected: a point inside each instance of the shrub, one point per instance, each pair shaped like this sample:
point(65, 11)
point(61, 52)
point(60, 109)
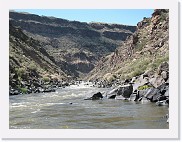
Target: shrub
point(111, 78)
point(46, 79)
point(24, 90)
point(163, 16)
point(20, 71)
point(141, 44)
point(136, 72)
point(32, 67)
point(155, 64)
point(144, 87)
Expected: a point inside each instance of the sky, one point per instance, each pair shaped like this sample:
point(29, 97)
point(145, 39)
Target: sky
point(116, 16)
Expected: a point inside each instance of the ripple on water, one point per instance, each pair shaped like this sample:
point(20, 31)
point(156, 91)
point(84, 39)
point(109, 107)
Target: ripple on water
point(54, 110)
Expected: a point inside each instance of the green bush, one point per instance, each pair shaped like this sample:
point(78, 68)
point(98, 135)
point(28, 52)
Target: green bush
point(32, 67)
point(155, 64)
point(141, 44)
point(24, 90)
point(144, 87)
point(46, 79)
point(163, 16)
point(20, 71)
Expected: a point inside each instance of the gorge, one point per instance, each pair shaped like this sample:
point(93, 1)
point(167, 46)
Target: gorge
point(68, 61)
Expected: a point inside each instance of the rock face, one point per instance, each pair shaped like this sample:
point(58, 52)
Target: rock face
point(74, 46)
point(159, 94)
point(141, 53)
point(30, 65)
point(142, 60)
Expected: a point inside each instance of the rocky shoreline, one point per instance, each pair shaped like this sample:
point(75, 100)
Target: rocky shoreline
point(36, 86)
point(147, 87)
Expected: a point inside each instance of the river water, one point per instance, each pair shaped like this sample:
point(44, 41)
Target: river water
point(67, 109)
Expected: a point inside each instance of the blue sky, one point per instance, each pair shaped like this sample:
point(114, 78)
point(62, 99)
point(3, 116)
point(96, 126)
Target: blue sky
point(119, 16)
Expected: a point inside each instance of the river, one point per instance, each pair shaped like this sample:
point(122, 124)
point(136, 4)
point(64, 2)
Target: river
point(67, 109)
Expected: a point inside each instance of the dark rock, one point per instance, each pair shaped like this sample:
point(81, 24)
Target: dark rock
point(49, 90)
point(125, 91)
point(29, 91)
point(163, 88)
point(167, 101)
point(161, 98)
point(150, 92)
point(36, 84)
point(163, 67)
point(161, 103)
point(13, 83)
point(65, 84)
point(127, 81)
point(141, 93)
point(96, 96)
point(39, 90)
point(134, 97)
point(140, 98)
point(111, 97)
point(156, 97)
point(14, 92)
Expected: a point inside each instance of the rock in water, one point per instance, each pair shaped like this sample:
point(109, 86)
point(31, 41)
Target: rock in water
point(125, 91)
point(111, 97)
point(134, 97)
point(161, 103)
point(96, 96)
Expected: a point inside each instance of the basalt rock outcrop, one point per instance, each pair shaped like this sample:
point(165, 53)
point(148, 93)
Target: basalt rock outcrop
point(31, 68)
point(142, 60)
point(146, 52)
point(75, 46)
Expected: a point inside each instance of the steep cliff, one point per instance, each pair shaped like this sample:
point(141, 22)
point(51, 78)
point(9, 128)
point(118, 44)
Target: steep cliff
point(28, 61)
point(141, 53)
point(75, 46)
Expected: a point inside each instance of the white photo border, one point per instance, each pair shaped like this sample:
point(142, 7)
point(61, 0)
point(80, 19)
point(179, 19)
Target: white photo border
point(171, 133)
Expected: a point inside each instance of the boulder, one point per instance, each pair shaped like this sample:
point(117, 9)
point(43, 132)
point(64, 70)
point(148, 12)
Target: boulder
point(156, 97)
point(165, 75)
point(163, 88)
point(161, 98)
point(125, 91)
point(39, 90)
point(157, 81)
point(163, 67)
point(49, 90)
point(161, 103)
point(148, 93)
point(14, 92)
point(96, 96)
point(133, 97)
point(144, 100)
point(167, 93)
point(111, 97)
point(36, 84)
point(112, 94)
point(153, 94)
